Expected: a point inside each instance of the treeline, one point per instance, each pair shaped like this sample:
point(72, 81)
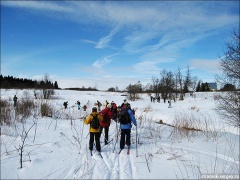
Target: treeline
point(10, 82)
point(83, 89)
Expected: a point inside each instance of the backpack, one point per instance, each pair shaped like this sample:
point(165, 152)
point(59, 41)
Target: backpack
point(124, 117)
point(95, 122)
point(114, 113)
point(105, 116)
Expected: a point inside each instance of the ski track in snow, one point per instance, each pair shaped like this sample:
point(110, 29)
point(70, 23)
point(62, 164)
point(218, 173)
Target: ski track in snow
point(115, 166)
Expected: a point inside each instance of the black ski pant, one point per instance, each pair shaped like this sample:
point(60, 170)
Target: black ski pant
point(95, 135)
point(125, 138)
point(106, 129)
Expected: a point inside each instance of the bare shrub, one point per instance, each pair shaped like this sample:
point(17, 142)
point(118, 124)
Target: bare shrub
point(190, 125)
point(46, 109)
point(5, 116)
point(21, 147)
point(185, 126)
point(147, 127)
point(24, 109)
point(47, 93)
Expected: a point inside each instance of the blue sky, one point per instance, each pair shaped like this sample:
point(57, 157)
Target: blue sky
point(114, 43)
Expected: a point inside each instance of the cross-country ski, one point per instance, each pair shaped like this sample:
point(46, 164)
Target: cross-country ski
point(128, 151)
point(96, 152)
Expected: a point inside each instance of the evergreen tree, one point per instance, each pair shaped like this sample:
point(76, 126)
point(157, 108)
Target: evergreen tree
point(55, 85)
point(207, 88)
point(198, 87)
point(185, 88)
point(202, 88)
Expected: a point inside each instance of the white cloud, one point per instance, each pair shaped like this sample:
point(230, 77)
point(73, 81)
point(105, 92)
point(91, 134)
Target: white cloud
point(87, 41)
point(103, 42)
point(147, 68)
point(102, 62)
point(38, 5)
point(208, 65)
point(100, 83)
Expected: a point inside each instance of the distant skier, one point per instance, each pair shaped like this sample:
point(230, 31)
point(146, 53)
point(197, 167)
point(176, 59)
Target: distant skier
point(123, 103)
point(78, 104)
point(106, 103)
point(169, 104)
point(151, 97)
point(84, 107)
point(65, 104)
point(15, 100)
point(99, 105)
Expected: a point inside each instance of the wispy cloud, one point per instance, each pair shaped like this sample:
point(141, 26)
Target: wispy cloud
point(37, 5)
point(147, 67)
point(87, 41)
point(99, 63)
point(103, 42)
point(208, 65)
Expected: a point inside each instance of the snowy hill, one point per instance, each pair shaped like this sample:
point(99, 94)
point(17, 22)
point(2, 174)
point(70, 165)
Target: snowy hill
point(57, 147)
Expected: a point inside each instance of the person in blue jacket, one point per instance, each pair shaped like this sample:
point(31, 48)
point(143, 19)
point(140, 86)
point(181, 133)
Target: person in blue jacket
point(126, 125)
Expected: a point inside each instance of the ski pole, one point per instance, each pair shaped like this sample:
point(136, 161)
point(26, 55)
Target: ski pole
point(87, 134)
point(82, 131)
point(104, 137)
point(116, 138)
point(136, 143)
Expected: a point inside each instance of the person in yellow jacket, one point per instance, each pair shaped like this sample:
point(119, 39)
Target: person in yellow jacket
point(94, 132)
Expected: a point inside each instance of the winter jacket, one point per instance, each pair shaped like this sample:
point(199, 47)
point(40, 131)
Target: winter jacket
point(106, 103)
point(88, 120)
point(15, 98)
point(114, 106)
point(133, 120)
point(99, 104)
point(108, 119)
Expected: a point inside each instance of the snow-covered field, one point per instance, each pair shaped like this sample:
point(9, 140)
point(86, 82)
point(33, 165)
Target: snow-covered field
point(57, 147)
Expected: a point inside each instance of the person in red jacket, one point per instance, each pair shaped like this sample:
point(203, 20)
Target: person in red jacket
point(107, 115)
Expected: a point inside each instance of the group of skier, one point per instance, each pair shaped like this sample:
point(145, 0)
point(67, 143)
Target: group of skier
point(152, 99)
point(101, 119)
